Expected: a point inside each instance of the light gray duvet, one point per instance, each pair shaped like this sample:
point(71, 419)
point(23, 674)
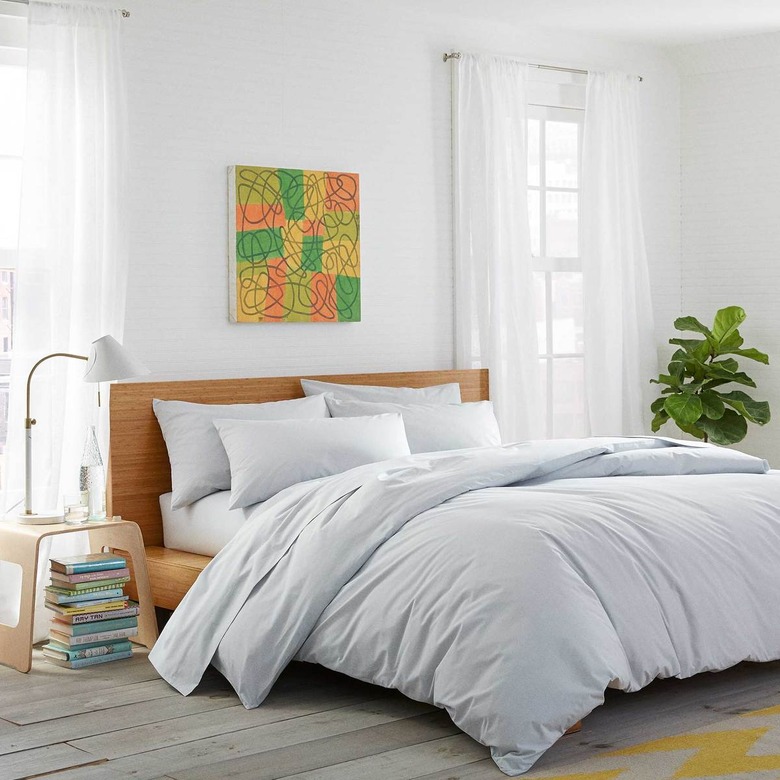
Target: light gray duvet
point(509, 585)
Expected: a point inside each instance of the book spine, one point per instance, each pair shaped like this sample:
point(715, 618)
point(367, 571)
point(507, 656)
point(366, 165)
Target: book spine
point(81, 568)
point(102, 636)
point(90, 587)
point(99, 659)
point(81, 598)
point(89, 608)
point(89, 652)
point(91, 617)
point(94, 628)
point(91, 576)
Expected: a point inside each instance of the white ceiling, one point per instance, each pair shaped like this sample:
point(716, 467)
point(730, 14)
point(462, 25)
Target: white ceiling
point(658, 22)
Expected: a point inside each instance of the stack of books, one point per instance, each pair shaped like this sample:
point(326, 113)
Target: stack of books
point(93, 618)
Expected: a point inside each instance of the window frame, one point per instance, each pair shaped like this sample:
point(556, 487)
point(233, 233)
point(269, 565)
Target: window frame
point(549, 264)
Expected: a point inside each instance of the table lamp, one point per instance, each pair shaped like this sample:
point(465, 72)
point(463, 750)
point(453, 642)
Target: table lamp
point(107, 360)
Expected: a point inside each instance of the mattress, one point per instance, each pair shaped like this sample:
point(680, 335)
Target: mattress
point(204, 527)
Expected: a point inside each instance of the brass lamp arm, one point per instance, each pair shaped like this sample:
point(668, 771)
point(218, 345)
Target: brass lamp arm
point(29, 422)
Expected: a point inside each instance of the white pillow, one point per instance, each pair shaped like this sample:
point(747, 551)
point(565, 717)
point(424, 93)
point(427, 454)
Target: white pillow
point(436, 394)
point(266, 457)
point(199, 464)
point(432, 427)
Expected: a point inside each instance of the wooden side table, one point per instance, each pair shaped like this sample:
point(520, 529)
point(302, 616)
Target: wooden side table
point(20, 544)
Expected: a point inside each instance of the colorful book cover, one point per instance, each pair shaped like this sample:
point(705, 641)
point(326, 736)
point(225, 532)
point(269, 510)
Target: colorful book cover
point(89, 607)
point(80, 618)
point(93, 628)
point(84, 599)
point(55, 650)
point(77, 564)
point(79, 663)
point(90, 576)
point(91, 639)
point(73, 589)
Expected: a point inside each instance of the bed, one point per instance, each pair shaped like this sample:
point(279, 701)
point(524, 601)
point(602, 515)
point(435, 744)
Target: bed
point(139, 470)
point(510, 585)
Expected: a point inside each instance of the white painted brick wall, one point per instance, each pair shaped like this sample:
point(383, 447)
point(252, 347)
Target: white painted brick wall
point(341, 85)
point(730, 160)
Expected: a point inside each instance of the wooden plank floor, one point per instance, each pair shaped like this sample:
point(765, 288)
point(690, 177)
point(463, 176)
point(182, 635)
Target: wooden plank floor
point(120, 720)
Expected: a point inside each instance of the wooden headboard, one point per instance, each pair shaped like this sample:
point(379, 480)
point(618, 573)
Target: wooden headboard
point(139, 470)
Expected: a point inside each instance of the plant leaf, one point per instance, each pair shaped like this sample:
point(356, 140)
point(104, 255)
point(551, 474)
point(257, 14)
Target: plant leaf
point(666, 379)
point(712, 405)
point(734, 341)
point(741, 378)
point(690, 345)
point(657, 405)
point(729, 364)
point(677, 369)
point(729, 429)
point(659, 420)
point(691, 323)
point(752, 354)
point(692, 429)
point(756, 411)
point(685, 409)
point(726, 322)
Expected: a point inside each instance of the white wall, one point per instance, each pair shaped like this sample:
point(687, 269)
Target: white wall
point(340, 85)
point(731, 199)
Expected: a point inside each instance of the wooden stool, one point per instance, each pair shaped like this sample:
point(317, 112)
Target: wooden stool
point(20, 544)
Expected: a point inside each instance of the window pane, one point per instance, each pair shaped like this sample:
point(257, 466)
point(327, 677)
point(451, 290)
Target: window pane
point(567, 312)
point(10, 188)
point(535, 222)
point(561, 151)
point(13, 85)
point(533, 152)
point(540, 303)
point(544, 364)
point(561, 224)
point(568, 398)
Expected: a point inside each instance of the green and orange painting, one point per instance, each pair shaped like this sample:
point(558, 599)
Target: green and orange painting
point(294, 245)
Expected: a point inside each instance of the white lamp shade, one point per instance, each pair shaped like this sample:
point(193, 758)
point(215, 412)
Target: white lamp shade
point(109, 360)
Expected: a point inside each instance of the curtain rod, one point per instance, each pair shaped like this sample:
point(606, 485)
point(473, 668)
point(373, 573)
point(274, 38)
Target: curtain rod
point(455, 55)
point(125, 13)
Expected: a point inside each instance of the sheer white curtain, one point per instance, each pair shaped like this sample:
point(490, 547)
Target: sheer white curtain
point(620, 352)
point(494, 296)
point(72, 263)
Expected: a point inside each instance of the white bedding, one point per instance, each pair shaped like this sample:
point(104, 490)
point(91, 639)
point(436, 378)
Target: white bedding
point(481, 582)
point(204, 527)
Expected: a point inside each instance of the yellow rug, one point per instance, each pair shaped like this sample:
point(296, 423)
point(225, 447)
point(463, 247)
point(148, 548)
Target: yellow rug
point(744, 747)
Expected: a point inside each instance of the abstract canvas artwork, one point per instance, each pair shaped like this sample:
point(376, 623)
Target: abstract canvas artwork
point(294, 245)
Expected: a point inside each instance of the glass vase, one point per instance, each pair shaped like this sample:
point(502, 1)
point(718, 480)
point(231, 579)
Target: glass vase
point(92, 478)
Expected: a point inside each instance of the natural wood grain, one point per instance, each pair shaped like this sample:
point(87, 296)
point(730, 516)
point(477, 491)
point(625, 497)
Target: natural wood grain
point(252, 741)
point(172, 573)
point(15, 766)
point(99, 771)
point(139, 470)
point(320, 753)
point(404, 763)
point(191, 728)
point(50, 681)
point(115, 724)
point(302, 729)
point(87, 701)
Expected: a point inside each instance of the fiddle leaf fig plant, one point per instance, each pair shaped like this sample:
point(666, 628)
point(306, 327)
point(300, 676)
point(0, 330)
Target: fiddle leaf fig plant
point(693, 394)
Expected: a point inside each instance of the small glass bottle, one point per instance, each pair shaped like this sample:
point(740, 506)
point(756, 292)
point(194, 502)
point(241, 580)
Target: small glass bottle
point(92, 478)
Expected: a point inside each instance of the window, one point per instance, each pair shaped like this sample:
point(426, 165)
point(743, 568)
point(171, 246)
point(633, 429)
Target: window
point(554, 157)
point(13, 83)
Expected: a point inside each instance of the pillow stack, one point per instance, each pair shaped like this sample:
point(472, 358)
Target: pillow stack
point(257, 450)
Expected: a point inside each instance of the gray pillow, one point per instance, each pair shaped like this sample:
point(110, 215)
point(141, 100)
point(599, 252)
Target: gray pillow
point(432, 427)
point(199, 463)
point(436, 394)
point(266, 457)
